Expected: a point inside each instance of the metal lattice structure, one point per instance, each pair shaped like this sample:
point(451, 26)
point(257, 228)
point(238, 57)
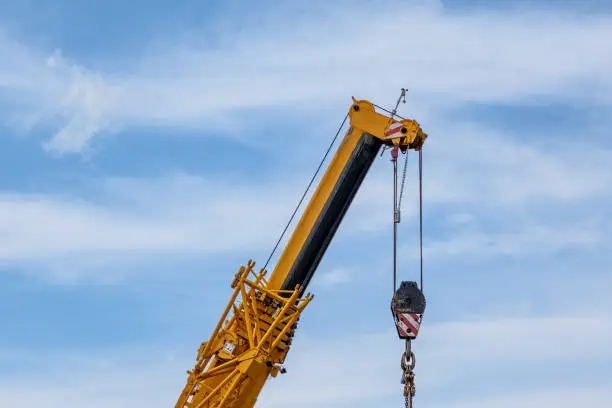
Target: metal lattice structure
point(249, 343)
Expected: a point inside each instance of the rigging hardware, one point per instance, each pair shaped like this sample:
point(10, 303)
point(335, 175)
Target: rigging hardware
point(407, 364)
point(408, 301)
point(254, 334)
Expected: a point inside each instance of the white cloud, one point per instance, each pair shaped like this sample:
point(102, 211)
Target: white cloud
point(177, 215)
point(466, 162)
point(539, 240)
point(95, 383)
point(595, 396)
point(106, 237)
point(354, 370)
point(185, 215)
point(362, 370)
point(523, 340)
point(54, 90)
point(444, 58)
point(459, 218)
point(483, 173)
point(334, 277)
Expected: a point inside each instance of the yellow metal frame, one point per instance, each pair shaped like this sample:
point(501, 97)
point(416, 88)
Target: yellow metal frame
point(254, 334)
point(246, 346)
point(363, 119)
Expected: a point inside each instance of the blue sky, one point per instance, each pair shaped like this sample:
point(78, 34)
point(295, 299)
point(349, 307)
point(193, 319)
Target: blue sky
point(150, 150)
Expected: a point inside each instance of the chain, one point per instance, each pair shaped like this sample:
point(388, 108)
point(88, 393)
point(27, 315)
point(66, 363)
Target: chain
point(409, 390)
point(408, 362)
point(401, 194)
point(396, 214)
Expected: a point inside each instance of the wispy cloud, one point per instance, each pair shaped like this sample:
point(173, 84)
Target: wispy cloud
point(334, 277)
point(468, 162)
point(447, 354)
point(130, 218)
point(595, 396)
point(107, 380)
point(503, 195)
point(445, 58)
point(192, 215)
point(338, 372)
point(534, 240)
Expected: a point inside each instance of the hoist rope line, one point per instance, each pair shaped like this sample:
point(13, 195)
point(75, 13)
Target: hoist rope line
point(306, 191)
point(395, 214)
point(388, 111)
point(421, 211)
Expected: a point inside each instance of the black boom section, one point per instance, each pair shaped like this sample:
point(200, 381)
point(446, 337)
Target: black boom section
point(334, 210)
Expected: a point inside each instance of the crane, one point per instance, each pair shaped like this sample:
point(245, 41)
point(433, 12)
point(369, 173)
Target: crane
point(254, 333)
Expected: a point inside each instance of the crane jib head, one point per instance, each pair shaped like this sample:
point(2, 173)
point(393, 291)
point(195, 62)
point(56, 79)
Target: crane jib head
point(407, 307)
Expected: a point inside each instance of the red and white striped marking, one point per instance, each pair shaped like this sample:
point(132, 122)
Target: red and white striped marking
point(408, 324)
point(394, 130)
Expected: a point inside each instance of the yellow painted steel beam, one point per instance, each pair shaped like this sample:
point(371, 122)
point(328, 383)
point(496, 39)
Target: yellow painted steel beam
point(255, 331)
point(363, 119)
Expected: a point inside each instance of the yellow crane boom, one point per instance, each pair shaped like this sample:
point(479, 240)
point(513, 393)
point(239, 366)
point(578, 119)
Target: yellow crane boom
point(253, 335)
